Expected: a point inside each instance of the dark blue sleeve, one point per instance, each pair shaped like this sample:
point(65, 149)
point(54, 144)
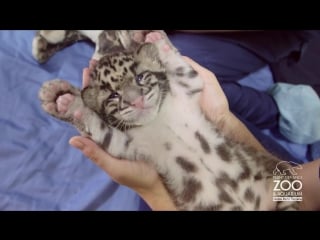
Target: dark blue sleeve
point(229, 61)
point(291, 55)
point(258, 108)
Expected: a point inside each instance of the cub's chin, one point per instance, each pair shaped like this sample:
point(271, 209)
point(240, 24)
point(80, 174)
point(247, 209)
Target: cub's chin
point(141, 116)
point(145, 116)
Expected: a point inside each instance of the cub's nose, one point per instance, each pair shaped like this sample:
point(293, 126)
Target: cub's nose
point(138, 102)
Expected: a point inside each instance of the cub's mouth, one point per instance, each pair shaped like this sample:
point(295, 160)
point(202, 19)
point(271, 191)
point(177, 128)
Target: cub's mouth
point(142, 110)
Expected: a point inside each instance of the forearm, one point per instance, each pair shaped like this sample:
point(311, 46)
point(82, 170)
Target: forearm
point(234, 129)
point(310, 172)
point(311, 185)
point(157, 198)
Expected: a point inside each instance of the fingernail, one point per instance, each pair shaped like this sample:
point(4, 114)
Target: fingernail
point(77, 144)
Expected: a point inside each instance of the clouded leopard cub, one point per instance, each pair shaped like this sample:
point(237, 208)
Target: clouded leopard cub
point(143, 104)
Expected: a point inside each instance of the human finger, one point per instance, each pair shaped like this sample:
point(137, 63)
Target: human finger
point(92, 64)
point(91, 150)
point(85, 77)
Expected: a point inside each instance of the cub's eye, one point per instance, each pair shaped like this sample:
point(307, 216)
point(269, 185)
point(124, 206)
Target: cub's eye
point(114, 95)
point(139, 77)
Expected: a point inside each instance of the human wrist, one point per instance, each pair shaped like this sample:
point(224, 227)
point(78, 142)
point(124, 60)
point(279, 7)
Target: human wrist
point(224, 122)
point(234, 129)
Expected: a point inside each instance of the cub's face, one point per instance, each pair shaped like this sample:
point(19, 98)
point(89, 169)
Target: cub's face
point(127, 89)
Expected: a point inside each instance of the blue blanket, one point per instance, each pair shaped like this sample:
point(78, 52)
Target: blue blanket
point(39, 170)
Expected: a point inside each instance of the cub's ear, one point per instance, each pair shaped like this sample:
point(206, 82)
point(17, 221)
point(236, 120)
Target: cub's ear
point(147, 57)
point(89, 95)
point(110, 41)
point(147, 51)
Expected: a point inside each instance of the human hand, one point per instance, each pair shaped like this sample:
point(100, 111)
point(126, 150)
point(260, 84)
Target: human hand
point(86, 73)
point(137, 175)
point(213, 101)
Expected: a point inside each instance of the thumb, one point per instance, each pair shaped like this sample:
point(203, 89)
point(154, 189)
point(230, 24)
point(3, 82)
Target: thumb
point(91, 150)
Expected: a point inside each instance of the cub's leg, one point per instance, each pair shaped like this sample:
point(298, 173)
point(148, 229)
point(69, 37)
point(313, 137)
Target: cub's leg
point(184, 80)
point(63, 101)
point(48, 42)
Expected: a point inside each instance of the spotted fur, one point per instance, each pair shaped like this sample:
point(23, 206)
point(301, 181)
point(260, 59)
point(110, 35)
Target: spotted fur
point(143, 104)
point(47, 42)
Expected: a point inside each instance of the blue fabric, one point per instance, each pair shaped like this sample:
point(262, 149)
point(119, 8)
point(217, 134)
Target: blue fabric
point(38, 168)
point(228, 60)
point(260, 80)
point(277, 145)
point(301, 67)
point(262, 113)
point(258, 110)
point(299, 107)
point(255, 106)
point(314, 150)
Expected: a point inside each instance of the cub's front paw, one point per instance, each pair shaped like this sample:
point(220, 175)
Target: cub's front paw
point(161, 41)
point(61, 100)
point(47, 42)
point(153, 37)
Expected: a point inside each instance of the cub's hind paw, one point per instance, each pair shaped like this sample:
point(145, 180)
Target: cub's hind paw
point(47, 42)
point(53, 36)
point(40, 48)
